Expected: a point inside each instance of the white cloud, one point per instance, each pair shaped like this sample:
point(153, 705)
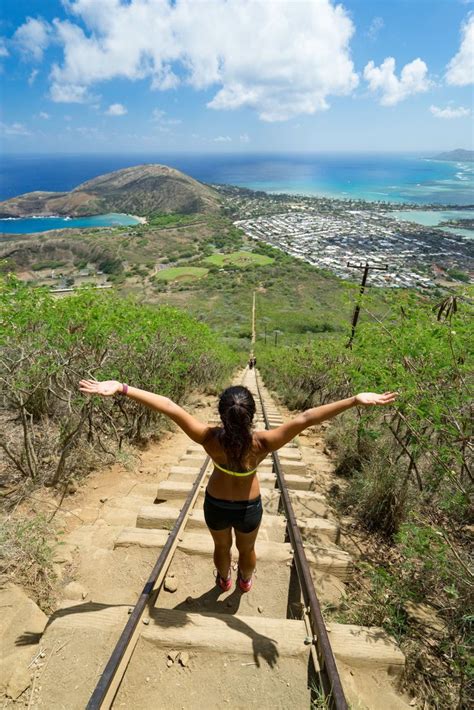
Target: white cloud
point(244, 138)
point(460, 70)
point(280, 59)
point(3, 50)
point(413, 80)
point(32, 77)
point(160, 117)
point(116, 110)
point(223, 139)
point(14, 129)
point(69, 93)
point(450, 112)
point(375, 26)
point(44, 115)
point(33, 37)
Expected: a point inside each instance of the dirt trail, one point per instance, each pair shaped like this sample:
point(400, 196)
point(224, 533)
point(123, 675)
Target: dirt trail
point(101, 581)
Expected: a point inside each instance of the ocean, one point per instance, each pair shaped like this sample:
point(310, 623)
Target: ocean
point(398, 178)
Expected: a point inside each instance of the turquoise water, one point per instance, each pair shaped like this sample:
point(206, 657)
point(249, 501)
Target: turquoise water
point(407, 178)
point(433, 218)
point(28, 225)
point(374, 178)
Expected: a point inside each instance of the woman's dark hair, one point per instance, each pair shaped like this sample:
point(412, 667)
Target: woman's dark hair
point(236, 409)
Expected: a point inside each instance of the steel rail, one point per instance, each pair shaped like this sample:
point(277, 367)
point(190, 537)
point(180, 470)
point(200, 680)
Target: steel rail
point(106, 688)
point(333, 689)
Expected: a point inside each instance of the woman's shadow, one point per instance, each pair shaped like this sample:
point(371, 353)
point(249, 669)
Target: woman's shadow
point(209, 604)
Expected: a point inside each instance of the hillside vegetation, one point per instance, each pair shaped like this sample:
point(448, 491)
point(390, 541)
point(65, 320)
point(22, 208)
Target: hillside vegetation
point(298, 300)
point(405, 474)
point(48, 345)
point(140, 190)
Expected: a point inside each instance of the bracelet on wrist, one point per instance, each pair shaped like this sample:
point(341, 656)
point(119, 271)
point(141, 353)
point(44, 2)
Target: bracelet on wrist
point(124, 389)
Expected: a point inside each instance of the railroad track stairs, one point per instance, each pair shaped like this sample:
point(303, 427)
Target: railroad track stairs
point(199, 647)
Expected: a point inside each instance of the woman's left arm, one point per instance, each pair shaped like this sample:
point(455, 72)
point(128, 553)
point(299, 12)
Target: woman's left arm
point(196, 430)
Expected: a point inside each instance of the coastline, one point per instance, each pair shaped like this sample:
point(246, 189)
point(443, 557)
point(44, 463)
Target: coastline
point(399, 178)
point(140, 220)
point(31, 224)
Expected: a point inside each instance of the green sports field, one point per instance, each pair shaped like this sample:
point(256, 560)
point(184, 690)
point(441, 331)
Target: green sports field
point(181, 273)
point(239, 258)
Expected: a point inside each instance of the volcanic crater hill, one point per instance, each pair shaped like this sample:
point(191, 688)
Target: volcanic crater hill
point(140, 190)
point(464, 156)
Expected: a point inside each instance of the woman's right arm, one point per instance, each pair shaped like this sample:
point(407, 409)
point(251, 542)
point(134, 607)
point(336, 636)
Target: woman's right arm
point(196, 430)
point(276, 438)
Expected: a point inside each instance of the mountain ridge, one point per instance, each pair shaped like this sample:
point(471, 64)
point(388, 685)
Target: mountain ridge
point(142, 190)
point(454, 155)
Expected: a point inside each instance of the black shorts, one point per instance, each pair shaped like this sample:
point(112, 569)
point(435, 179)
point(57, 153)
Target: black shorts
point(243, 515)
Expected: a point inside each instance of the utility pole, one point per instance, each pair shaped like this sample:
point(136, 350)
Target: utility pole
point(367, 267)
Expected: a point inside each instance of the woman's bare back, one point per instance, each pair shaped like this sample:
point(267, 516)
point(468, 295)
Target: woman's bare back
point(225, 486)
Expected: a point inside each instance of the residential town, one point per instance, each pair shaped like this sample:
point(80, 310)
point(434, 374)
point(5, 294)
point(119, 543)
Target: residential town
point(332, 233)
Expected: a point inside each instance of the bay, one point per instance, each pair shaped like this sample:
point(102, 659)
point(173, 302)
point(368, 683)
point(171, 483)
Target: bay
point(28, 225)
point(432, 218)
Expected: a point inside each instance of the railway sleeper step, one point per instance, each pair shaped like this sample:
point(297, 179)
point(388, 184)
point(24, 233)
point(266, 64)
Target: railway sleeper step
point(356, 646)
point(273, 526)
point(163, 517)
point(317, 527)
point(225, 633)
point(323, 559)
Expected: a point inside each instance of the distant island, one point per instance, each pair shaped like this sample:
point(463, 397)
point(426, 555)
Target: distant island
point(461, 155)
point(142, 190)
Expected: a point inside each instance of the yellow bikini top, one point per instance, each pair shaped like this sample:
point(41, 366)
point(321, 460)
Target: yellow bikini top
point(234, 473)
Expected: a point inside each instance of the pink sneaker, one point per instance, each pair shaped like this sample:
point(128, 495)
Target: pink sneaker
point(224, 584)
point(245, 585)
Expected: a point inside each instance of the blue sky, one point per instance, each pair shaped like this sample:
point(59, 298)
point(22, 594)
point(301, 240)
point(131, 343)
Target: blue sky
point(121, 76)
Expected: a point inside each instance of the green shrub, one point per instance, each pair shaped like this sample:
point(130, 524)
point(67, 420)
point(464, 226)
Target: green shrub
point(110, 265)
point(47, 264)
point(458, 275)
point(408, 470)
point(378, 494)
point(47, 345)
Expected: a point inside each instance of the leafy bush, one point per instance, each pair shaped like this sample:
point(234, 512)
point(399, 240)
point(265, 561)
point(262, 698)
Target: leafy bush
point(423, 355)
point(110, 265)
point(48, 345)
point(48, 264)
point(458, 275)
point(408, 470)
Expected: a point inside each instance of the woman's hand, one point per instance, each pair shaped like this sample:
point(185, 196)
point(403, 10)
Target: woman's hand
point(368, 399)
point(106, 389)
